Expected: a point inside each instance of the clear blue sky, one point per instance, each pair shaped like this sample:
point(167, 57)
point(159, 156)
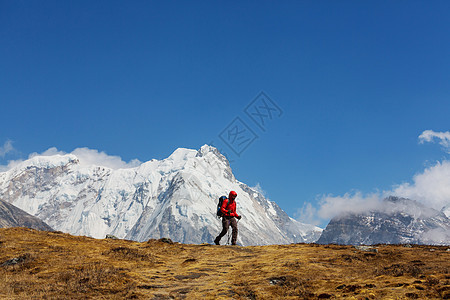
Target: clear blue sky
point(357, 81)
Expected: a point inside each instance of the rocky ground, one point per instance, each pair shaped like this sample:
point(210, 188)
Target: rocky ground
point(53, 265)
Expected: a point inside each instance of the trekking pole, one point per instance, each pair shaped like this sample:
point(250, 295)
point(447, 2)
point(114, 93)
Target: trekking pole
point(237, 221)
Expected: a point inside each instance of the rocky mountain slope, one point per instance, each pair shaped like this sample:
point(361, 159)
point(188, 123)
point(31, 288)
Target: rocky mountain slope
point(11, 216)
point(175, 197)
point(397, 221)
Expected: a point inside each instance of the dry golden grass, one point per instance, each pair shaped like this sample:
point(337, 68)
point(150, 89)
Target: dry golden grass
point(52, 265)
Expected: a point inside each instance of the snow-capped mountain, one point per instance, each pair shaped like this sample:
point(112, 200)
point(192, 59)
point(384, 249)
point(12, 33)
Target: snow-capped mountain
point(175, 197)
point(396, 221)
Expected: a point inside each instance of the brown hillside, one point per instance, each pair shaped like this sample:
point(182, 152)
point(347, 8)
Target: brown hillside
point(39, 264)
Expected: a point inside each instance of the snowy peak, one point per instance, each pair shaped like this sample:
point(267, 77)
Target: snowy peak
point(206, 150)
point(175, 197)
point(181, 155)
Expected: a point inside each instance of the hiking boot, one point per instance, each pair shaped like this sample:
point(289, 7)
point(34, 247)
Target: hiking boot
point(216, 241)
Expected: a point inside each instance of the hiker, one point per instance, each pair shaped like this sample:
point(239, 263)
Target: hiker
point(229, 216)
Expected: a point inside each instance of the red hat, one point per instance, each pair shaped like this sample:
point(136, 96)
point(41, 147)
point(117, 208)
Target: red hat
point(232, 194)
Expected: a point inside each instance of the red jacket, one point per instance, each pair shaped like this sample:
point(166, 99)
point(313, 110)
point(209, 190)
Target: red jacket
point(229, 210)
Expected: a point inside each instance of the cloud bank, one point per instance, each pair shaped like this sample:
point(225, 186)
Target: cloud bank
point(330, 206)
point(94, 157)
point(430, 187)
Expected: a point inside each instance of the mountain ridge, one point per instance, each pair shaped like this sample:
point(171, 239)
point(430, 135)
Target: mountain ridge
point(175, 197)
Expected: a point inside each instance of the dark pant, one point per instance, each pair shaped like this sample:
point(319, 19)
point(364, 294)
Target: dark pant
point(226, 222)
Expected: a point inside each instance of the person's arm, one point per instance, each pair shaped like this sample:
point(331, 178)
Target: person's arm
point(224, 209)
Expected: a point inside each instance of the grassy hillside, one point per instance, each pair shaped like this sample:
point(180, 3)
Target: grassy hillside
point(39, 264)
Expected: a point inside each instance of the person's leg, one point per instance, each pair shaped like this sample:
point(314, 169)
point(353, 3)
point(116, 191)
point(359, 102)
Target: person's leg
point(225, 225)
point(235, 231)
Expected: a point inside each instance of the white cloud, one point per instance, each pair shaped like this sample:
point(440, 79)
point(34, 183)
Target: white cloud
point(11, 164)
point(330, 206)
point(49, 152)
point(431, 187)
point(6, 148)
point(430, 136)
point(86, 157)
point(354, 202)
point(435, 236)
point(94, 157)
point(308, 214)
